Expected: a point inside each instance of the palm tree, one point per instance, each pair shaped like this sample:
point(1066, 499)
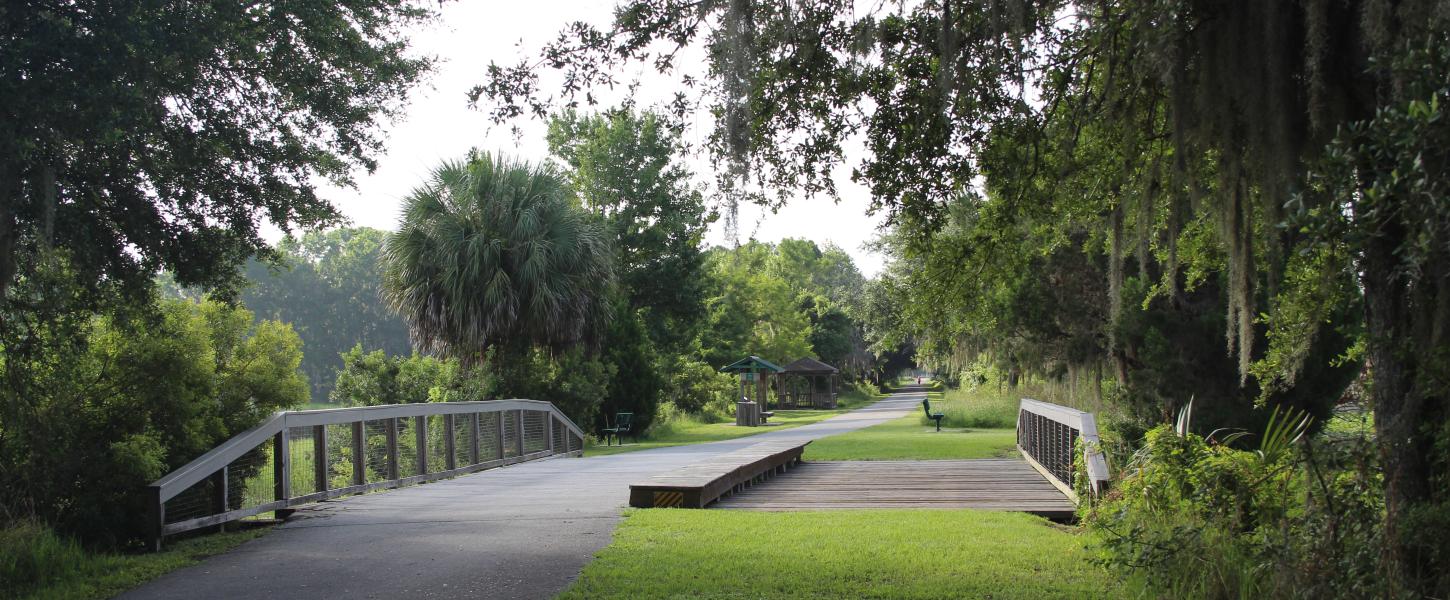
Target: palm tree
point(497, 252)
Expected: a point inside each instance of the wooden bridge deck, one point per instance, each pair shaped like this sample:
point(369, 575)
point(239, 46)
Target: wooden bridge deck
point(989, 484)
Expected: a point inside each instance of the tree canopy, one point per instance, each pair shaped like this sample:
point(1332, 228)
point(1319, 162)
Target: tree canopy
point(494, 252)
point(141, 136)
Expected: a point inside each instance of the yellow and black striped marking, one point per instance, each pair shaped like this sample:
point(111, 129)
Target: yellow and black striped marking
point(669, 499)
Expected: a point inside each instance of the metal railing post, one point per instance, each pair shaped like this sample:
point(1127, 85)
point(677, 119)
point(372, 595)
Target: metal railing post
point(319, 456)
point(519, 431)
point(282, 470)
point(420, 438)
point(359, 453)
point(501, 447)
point(391, 431)
point(473, 435)
point(450, 458)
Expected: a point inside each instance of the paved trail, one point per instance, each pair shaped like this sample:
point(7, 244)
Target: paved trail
point(523, 531)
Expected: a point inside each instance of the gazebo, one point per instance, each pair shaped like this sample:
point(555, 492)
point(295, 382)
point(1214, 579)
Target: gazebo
point(809, 383)
point(754, 373)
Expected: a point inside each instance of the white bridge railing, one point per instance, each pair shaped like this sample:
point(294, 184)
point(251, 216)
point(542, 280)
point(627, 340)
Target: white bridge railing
point(300, 457)
point(1047, 435)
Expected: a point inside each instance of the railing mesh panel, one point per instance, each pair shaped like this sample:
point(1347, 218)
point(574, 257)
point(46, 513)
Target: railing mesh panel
point(250, 478)
point(339, 455)
point(304, 460)
point(559, 432)
point(407, 447)
point(437, 453)
point(510, 433)
point(534, 440)
point(193, 503)
point(376, 446)
point(488, 440)
point(1048, 442)
point(463, 440)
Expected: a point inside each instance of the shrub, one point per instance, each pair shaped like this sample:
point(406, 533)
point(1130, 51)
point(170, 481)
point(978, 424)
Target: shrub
point(1193, 517)
point(99, 408)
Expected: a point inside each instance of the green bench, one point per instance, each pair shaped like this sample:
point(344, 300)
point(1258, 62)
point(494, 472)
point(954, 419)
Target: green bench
point(622, 423)
point(937, 417)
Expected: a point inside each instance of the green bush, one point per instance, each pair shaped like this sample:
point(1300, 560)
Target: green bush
point(1195, 518)
point(375, 378)
point(97, 407)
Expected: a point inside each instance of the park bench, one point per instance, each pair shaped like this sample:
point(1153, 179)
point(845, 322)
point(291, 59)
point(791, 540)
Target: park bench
point(937, 417)
point(622, 423)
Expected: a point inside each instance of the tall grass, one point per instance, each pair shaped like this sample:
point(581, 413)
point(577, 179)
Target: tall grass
point(37, 563)
point(974, 408)
point(32, 556)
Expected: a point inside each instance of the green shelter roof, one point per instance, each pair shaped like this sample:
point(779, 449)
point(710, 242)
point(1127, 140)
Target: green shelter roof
point(810, 366)
point(751, 364)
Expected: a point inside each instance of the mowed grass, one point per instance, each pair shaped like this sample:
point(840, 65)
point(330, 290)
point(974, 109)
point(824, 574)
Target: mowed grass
point(673, 553)
point(682, 431)
point(907, 439)
point(976, 426)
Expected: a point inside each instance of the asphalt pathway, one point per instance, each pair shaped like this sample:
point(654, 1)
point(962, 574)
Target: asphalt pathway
point(523, 531)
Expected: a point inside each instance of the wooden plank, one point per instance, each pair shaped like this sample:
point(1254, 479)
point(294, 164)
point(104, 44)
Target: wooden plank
point(987, 484)
point(699, 484)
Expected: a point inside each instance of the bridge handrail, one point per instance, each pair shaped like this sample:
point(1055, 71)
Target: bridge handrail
point(275, 428)
point(1050, 449)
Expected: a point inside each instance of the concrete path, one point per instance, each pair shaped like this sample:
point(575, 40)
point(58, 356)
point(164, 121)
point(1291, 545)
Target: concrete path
point(523, 531)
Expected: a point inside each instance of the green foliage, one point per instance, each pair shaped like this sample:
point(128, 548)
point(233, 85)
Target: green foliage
point(187, 126)
point(751, 311)
point(1193, 517)
point(573, 380)
point(37, 563)
point(32, 555)
point(495, 252)
point(635, 385)
point(377, 378)
point(328, 289)
point(627, 168)
point(978, 408)
point(117, 401)
point(699, 388)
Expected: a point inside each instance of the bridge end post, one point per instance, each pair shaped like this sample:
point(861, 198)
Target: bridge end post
point(155, 517)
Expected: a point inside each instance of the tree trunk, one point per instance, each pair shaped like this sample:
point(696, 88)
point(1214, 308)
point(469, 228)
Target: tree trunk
point(1409, 410)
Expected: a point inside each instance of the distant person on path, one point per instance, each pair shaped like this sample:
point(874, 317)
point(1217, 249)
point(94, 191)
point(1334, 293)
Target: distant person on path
point(918, 380)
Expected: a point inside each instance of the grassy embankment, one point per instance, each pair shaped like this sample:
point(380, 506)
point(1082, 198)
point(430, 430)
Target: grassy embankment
point(978, 424)
point(35, 563)
point(684, 429)
point(670, 553)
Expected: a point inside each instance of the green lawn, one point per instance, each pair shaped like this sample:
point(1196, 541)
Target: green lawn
point(82, 575)
point(976, 426)
point(907, 439)
point(673, 553)
point(687, 431)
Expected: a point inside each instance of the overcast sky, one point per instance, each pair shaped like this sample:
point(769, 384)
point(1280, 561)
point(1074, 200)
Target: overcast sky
point(439, 125)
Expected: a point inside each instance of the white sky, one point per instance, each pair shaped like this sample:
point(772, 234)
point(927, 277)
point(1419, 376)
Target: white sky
point(439, 125)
